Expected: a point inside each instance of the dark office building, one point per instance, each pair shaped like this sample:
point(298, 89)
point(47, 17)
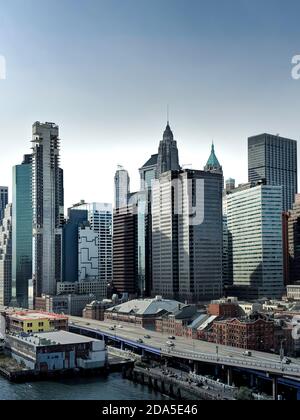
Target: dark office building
point(294, 242)
point(274, 159)
point(125, 259)
point(3, 201)
point(187, 236)
point(70, 244)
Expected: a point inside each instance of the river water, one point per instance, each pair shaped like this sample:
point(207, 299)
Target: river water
point(112, 387)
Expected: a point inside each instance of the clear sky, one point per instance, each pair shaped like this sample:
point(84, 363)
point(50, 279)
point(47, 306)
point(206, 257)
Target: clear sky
point(105, 70)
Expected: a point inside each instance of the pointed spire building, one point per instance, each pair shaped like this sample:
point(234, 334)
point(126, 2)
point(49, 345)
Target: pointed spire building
point(168, 159)
point(213, 165)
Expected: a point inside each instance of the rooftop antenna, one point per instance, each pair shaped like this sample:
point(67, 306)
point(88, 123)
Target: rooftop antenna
point(168, 113)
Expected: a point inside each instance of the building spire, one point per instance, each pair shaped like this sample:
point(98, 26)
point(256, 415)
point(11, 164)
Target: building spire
point(213, 165)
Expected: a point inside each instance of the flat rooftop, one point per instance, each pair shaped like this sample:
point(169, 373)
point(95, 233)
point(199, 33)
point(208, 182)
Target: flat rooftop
point(35, 315)
point(55, 338)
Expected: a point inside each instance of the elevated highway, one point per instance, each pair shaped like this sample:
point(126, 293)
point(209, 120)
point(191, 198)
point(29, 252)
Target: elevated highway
point(187, 349)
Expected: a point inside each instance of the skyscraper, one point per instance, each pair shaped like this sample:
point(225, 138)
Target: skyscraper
point(168, 159)
point(100, 223)
point(148, 174)
point(294, 242)
point(274, 159)
point(3, 201)
point(22, 231)
point(255, 242)
point(122, 188)
point(6, 257)
point(187, 235)
point(48, 214)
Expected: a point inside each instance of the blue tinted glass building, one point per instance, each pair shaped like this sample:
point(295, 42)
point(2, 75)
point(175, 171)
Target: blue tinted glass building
point(22, 231)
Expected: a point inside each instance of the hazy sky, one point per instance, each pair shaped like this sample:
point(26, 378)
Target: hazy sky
point(105, 70)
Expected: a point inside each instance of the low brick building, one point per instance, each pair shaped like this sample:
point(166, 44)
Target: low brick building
point(247, 334)
point(96, 310)
point(224, 310)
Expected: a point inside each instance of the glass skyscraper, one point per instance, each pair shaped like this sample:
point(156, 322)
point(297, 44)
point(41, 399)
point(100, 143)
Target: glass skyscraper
point(274, 159)
point(147, 175)
point(254, 220)
point(22, 232)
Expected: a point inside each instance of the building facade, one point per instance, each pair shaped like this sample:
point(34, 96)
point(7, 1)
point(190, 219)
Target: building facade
point(48, 214)
point(70, 266)
point(147, 175)
point(22, 232)
point(294, 242)
point(125, 257)
point(274, 159)
point(245, 334)
point(3, 201)
point(88, 254)
point(57, 351)
point(187, 235)
point(256, 250)
point(6, 257)
point(100, 217)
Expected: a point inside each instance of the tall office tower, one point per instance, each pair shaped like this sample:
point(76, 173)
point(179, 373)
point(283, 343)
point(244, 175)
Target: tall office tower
point(70, 243)
point(125, 257)
point(187, 235)
point(6, 257)
point(147, 176)
point(167, 159)
point(213, 164)
point(255, 228)
point(122, 188)
point(294, 241)
point(3, 201)
point(22, 231)
point(274, 159)
point(100, 222)
point(226, 239)
point(47, 197)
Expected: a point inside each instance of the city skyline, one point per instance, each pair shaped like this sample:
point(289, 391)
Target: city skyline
point(109, 94)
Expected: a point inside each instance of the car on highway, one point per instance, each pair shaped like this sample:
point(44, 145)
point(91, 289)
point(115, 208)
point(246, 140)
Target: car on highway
point(286, 361)
point(140, 341)
point(247, 353)
point(172, 337)
point(170, 344)
point(112, 328)
point(120, 326)
point(147, 336)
